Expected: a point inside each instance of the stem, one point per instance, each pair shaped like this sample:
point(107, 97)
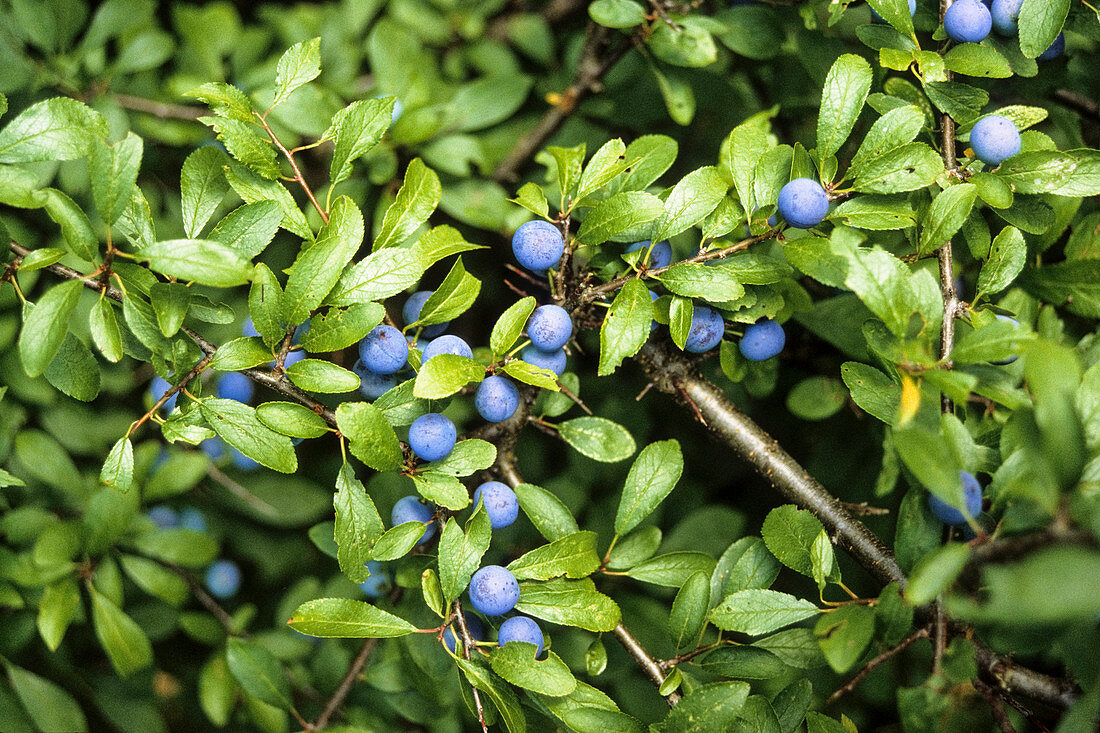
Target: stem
point(163, 110)
point(346, 684)
point(467, 644)
point(867, 668)
point(194, 372)
point(649, 666)
point(294, 166)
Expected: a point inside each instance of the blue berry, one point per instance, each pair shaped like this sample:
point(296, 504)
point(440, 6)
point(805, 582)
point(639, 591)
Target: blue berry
point(494, 590)
point(432, 436)
point(500, 503)
point(192, 518)
point(411, 312)
point(520, 628)
point(223, 579)
point(1010, 359)
point(659, 256)
point(214, 448)
point(163, 516)
point(241, 461)
point(549, 327)
point(762, 340)
point(1056, 49)
point(875, 17)
point(384, 350)
point(652, 324)
point(473, 625)
point(538, 245)
point(293, 357)
point(972, 500)
point(994, 139)
point(967, 21)
point(371, 385)
point(235, 386)
point(496, 399)
point(1004, 15)
point(249, 328)
point(410, 509)
point(379, 583)
point(552, 360)
point(706, 329)
point(447, 344)
point(157, 388)
point(803, 203)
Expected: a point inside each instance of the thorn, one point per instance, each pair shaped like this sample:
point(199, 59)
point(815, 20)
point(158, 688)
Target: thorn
point(644, 391)
point(691, 403)
point(525, 275)
point(518, 291)
point(577, 400)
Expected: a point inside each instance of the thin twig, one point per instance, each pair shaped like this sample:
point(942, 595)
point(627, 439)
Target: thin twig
point(174, 390)
point(163, 110)
point(1000, 717)
point(346, 684)
point(649, 666)
point(293, 166)
point(467, 644)
point(204, 598)
point(870, 666)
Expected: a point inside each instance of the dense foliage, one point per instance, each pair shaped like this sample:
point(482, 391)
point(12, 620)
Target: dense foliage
point(822, 452)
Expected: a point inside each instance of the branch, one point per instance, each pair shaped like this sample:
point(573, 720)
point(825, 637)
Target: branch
point(346, 684)
point(163, 110)
point(590, 69)
point(671, 371)
point(649, 666)
point(867, 668)
point(1078, 102)
point(293, 165)
point(270, 380)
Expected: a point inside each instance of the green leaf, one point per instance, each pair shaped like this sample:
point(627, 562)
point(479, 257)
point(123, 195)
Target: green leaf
point(896, 13)
point(935, 573)
point(1037, 171)
point(617, 13)
point(45, 326)
point(897, 127)
point(824, 561)
point(1039, 22)
point(872, 390)
point(358, 128)
point(57, 609)
point(789, 533)
point(415, 202)
point(510, 325)
point(598, 438)
point(466, 457)
point(652, 156)
point(843, 635)
point(113, 171)
point(358, 525)
point(696, 195)
point(202, 261)
point(758, 611)
point(606, 163)
point(571, 556)
point(884, 284)
point(652, 477)
point(709, 707)
point(715, 283)
point(842, 98)
point(816, 398)
point(346, 619)
point(49, 706)
point(444, 374)
point(185, 547)
point(290, 418)
point(170, 302)
point(370, 437)
point(625, 327)
point(1006, 261)
point(531, 374)
point(744, 663)
point(442, 488)
point(905, 168)
point(238, 425)
point(946, 215)
point(156, 580)
point(225, 100)
point(460, 552)
point(316, 269)
point(487, 101)
point(54, 129)
point(258, 672)
point(118, 470)
point(396, 542)
point(516, 663)
point(671, 569)
point(620, 213)
point(125, 642)
point(38, 258)
point(684, 44)
point(689, 610)
point(1074, 283)
point(739, 154)
point(570, 603)
point(531, 197)
point(340, 328)
point(240, 353)
point(244, 142)
point(252, 188)
point(503, 696)
point(550, 516)
point(248, 229)
point(202, 187)
point(931, 460)
point(217, 691)
point(452, 298)
point(378, 276)
point(318, 375)
point(975, 60)
point(300, 65)
point(76, 229)
point(265, 299)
